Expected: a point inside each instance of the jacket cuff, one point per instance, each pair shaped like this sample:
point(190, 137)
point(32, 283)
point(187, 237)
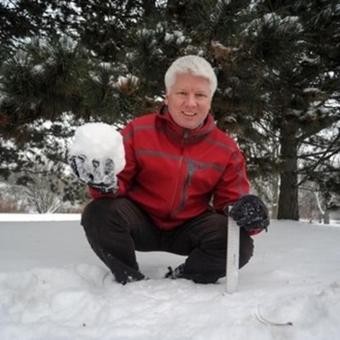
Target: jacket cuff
point(96, 194)
point(253, 232)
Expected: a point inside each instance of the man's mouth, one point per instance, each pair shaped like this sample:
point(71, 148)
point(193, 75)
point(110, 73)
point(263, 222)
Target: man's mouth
point(189, 114)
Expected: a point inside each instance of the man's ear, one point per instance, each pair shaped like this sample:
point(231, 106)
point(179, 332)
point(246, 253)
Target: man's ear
point(166, 100)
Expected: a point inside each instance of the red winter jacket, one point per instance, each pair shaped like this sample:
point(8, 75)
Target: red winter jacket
point(175, 174)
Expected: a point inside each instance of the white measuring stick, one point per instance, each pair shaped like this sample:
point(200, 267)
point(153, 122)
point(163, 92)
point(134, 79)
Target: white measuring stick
point(233, 251)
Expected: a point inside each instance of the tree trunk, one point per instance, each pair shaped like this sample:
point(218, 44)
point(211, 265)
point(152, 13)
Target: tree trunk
point(326, 219)
point(149, 8)
point(276, 190)
point(288, 198)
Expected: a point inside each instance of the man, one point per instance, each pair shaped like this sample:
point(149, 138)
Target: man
point(181, 174)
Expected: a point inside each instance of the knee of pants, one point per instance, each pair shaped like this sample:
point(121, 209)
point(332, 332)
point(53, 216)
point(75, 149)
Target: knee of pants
point(94, 208)
point(109, 214)
point(216, 233)
point(96, 213)
point(219, 221)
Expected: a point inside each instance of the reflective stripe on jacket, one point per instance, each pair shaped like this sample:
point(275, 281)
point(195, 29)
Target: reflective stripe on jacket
point(175, 174)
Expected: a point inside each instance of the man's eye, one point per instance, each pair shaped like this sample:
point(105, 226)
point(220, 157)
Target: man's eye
point(201, 95)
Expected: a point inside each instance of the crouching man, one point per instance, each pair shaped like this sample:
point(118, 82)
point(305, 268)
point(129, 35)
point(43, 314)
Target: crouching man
point(181, 174)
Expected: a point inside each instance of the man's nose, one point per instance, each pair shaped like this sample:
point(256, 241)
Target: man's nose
point(190, 100)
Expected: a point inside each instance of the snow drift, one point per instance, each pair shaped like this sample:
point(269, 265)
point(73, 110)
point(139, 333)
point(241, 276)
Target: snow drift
point(53, 287)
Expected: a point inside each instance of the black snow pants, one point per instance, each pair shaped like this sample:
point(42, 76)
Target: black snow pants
point(115, 228)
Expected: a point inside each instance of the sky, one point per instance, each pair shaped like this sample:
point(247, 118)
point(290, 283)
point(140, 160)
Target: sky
point(53, 287)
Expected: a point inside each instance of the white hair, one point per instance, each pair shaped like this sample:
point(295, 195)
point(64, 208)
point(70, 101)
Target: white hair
point(194, 65)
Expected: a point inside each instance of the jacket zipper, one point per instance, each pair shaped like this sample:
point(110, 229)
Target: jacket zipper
point(184, 191)
point(179, 190)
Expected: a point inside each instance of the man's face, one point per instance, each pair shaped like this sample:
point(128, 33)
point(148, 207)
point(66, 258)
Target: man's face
point(189, 100)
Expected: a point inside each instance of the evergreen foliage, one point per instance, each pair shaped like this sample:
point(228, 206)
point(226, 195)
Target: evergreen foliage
point(277, 62)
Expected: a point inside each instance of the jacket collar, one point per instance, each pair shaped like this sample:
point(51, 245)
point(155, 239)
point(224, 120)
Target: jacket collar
point(181, 135)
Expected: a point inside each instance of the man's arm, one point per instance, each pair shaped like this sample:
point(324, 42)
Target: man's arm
point(234, 182)
point(248, 211)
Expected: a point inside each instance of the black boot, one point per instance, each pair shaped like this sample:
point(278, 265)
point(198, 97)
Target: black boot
point(176, 273)
point(122, 272)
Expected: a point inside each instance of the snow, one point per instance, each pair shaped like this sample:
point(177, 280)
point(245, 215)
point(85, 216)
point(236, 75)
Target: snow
point(21, 217)
point(53, 287)
point(99, 141)
point(123, 81)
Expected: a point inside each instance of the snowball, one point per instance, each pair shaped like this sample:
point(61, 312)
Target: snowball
point(99, 141)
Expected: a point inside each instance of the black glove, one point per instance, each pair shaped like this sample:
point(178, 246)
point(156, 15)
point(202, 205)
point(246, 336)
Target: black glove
point(249, 212)
point(98, 174)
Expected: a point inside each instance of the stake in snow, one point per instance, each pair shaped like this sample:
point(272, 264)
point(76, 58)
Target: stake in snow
point(232, 260)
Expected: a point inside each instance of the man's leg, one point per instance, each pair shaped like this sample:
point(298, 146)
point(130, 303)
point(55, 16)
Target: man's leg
point(113, 227)
point(204, 239)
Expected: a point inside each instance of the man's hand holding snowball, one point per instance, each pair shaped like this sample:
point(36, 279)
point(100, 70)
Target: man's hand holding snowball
point(97, 156)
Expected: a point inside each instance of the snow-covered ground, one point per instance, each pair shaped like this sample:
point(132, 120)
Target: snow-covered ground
point(53, 287)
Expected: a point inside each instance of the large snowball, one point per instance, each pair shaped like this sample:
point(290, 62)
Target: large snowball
point(99, 141)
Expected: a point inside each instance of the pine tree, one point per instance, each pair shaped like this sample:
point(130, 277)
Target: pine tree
point(278, 82)
point(277, 64)
point(22, 19)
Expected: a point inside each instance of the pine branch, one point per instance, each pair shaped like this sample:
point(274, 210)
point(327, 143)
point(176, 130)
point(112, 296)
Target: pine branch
point(312, 129)
point(325, 155)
